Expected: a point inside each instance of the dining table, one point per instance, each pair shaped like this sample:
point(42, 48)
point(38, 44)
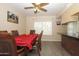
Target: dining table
point(26, 40)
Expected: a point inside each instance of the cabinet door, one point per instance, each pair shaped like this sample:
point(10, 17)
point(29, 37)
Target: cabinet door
point(66, 43)
point(75, 47)
point(71, 45)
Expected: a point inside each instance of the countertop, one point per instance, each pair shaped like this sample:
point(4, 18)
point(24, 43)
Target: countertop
point(70, 35)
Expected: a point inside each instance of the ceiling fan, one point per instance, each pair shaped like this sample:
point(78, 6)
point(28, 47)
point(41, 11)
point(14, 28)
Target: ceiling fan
point(37, 7)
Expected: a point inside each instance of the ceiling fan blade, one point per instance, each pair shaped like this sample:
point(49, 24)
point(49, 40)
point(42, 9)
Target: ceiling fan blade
point(43, 9)
point(42, 4)
point(34, 4)
point(28, 7)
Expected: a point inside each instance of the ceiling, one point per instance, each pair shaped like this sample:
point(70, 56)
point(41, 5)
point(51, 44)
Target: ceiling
point(52, 8)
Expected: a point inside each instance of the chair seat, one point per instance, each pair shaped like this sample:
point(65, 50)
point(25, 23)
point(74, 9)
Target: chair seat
point(20, 49)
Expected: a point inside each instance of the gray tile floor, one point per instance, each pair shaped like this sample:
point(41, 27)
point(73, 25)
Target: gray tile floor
point(53, 48)
point(49, 48)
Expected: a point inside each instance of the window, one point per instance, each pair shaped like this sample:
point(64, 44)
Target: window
point(71, 28)
point(45, 26)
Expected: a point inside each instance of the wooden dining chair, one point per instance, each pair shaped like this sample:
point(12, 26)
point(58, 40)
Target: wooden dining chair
point(15, 33)
point(37, 45)
point(8, 47)
point(32, 31)
point(39, 40)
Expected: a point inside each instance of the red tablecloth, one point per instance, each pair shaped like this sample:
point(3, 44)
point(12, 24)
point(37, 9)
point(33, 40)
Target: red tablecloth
point(26, 40)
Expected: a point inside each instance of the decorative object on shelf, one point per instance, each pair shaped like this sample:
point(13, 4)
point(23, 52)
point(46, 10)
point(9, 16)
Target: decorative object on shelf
point(12, 17)
point(58, 22)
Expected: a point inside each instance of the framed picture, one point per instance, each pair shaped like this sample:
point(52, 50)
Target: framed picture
point(12, 17)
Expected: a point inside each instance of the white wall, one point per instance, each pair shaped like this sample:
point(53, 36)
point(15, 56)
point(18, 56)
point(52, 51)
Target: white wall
point(4, 25)
point(25, 24)
point(30, 25)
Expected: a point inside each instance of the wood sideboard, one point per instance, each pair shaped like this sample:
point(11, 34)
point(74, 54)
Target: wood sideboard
point(71, 44)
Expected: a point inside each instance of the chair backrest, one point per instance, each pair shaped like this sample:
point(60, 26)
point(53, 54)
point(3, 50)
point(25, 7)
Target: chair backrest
point(40, 36)
point(4, 33)
point(7, 46)
point(15, 33)
point(32, 31)
point(39, 39)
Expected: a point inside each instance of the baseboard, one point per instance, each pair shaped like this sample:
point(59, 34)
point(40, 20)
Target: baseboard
point(50, 40)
